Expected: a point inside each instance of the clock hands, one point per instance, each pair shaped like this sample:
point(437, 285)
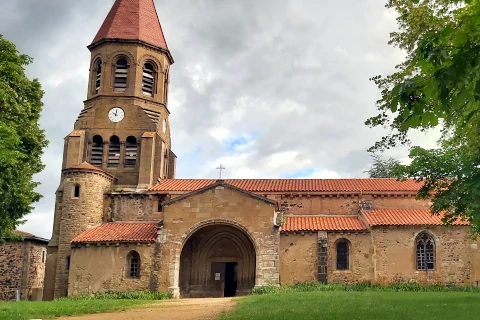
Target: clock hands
point(116, 114)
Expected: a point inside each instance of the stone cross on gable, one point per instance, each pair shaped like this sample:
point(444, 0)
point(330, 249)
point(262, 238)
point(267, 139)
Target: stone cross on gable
point(220, 167)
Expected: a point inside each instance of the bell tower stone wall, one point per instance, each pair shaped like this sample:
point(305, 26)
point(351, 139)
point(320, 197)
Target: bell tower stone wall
point(121, 139)
point(81, 209)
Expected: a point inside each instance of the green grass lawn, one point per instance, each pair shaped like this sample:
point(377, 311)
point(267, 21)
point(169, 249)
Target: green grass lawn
point(358, 305)
point(51, 309)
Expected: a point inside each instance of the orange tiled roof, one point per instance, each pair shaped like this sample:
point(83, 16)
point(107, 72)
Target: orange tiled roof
point(119, 232)
point(85, 165)
point(404, 217)
point(294, 185)
point(22, 233)
point(325, 223)
point(133, 20)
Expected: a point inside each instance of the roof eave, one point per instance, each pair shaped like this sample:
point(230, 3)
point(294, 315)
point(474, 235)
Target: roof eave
point(111, 241)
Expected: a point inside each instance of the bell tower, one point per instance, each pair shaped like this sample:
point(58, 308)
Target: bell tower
point(123, 128)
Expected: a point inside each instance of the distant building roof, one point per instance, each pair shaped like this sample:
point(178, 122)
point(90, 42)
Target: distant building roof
point(119, 232)
point(23, 233)
point(29, 236)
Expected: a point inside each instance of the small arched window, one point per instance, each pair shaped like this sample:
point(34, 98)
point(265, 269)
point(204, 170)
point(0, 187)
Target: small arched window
point(342, 254)
point(97, 151)
point(76, 191)
point(67, 263)
point(98, 75)
point(121, 70)
point(165, 86)
point(131, 152)
point(114, 152)
point(43, 256)
point(425, 251)
point(165, 166)
point(133, 264)
point(148, 79)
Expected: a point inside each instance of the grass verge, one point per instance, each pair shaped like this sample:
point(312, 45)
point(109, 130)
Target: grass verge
point(77, 305)
point(364, 286)
point(51, 309)
point(358, 305)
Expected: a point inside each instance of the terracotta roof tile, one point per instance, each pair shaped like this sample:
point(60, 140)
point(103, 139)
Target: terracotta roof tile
point(325, 223)
point(22, 233)
point(119, 232)
point(294, 185)
point(133, 20)
point(404, 217)
point(85, 165)
point(29, 236)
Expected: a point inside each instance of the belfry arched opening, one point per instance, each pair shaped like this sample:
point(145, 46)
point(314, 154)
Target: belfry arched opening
point(217, 261)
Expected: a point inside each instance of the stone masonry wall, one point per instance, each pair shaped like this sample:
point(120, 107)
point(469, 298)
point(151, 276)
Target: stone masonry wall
point(131, 208)
point(360, 250)
point(345, 205)
point(220, 205)
point(36, 270)
point(78, 215)
point(10, 269)
point(96, 269)
point(298, 258)
point(395, 260)
point(14, 256)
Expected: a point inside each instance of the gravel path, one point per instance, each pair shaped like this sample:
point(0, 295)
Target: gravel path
point(183, 309)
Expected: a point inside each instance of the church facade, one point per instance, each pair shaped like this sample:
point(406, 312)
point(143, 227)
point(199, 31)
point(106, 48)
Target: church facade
point(123, 222)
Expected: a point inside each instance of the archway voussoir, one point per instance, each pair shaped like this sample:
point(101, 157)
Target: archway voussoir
point(209, 249)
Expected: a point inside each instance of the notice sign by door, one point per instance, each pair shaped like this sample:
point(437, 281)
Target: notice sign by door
point(217, 276)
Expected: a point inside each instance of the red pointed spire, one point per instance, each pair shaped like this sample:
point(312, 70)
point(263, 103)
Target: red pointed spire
point(133, 20)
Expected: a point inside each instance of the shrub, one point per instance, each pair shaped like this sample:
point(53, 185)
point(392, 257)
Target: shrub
point(363, 286)
point(137, 295)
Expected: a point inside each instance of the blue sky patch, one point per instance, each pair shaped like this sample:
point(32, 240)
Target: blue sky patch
point(302, 173)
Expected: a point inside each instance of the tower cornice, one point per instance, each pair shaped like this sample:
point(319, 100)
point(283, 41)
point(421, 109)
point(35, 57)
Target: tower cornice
point(104, 42)
point(124, 97)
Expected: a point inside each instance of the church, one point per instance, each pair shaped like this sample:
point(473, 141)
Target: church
point(123, 222)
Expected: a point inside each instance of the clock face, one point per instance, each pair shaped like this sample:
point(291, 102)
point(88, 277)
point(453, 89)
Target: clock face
point(164, 126)
point(116, 114)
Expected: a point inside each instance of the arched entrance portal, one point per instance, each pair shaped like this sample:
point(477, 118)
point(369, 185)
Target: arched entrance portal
point(217, 261)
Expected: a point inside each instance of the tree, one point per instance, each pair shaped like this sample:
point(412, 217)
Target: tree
point(437, 85)
point(21, 140)
point(382, 168)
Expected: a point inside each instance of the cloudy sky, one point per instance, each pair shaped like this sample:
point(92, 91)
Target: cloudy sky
point(268, 88)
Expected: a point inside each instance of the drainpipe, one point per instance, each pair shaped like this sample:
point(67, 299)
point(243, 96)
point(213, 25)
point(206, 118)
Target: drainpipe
point(19, 290)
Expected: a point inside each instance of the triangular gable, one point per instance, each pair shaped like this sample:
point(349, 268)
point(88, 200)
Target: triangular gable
point(219, 183)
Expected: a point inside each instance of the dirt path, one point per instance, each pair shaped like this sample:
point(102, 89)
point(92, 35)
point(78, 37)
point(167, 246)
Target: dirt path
point(184, 309)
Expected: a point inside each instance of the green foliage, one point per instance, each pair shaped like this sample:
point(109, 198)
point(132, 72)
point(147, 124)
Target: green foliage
point(26, 310)
point(363, 286)
point(438, 84)
point(382, 168)
point(358, 305)
point(136, 295)
point(21, 139)
point(453, 176)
